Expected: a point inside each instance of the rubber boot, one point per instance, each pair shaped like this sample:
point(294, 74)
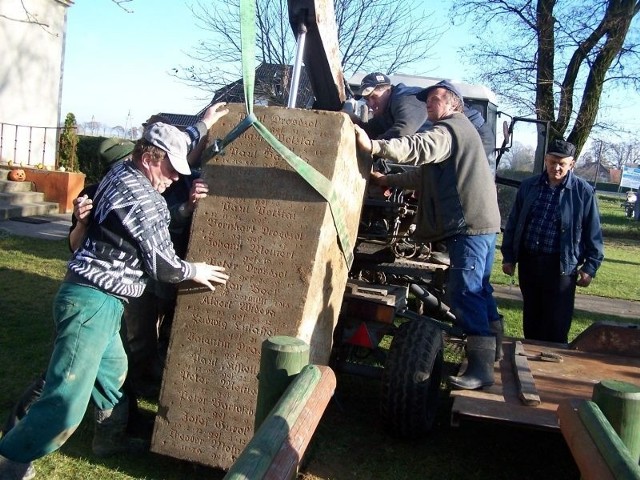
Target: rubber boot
point(497, 328)
point(10, 470)
point(110, 435)
point(481, 353)
point(20, 409)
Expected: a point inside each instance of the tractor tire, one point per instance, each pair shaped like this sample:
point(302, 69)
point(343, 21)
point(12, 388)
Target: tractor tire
point(411, 379)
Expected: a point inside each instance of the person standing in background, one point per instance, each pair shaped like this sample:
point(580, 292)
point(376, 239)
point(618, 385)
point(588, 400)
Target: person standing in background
point(553, 233)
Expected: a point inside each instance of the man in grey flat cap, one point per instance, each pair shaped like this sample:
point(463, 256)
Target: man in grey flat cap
point(458, 205)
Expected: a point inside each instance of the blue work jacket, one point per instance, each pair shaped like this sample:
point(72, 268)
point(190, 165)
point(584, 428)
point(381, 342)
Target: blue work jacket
point(581, 244)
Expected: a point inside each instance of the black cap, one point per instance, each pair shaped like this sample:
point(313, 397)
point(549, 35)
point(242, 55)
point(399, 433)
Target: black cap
point(370, 82)
point(560, 148)
point(422, 96)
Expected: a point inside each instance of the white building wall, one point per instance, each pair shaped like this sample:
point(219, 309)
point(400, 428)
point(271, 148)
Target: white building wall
point(32, 36)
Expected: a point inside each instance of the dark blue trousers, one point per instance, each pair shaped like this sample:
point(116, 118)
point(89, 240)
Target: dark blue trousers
point(548, 297)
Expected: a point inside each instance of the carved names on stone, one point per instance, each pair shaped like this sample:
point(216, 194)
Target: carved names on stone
point(275, 236)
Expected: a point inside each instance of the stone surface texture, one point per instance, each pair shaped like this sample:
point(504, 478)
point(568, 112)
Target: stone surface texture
point(275, 235)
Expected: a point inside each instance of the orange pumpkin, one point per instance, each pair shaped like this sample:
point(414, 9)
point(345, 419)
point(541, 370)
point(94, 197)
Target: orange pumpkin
point(17, 175)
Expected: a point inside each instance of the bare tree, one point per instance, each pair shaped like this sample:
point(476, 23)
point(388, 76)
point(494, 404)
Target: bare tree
point(118, 131)
point(614, 155)
point(519, 157)
point(383, 35)
point(121, 4)
point(91, 128)
point(29, 17)
point(554, 58)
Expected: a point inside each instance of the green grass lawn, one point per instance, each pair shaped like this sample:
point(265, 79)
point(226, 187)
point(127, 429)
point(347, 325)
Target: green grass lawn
point(350, 443)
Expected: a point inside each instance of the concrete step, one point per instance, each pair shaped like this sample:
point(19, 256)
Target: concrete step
point(7, 186)
point(28, 210)
point(17, 198)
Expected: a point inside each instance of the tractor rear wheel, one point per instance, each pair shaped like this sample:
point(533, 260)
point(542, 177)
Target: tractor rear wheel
point(411, 379)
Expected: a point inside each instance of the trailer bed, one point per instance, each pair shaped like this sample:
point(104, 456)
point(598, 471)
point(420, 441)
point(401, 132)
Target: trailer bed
point(574, 377)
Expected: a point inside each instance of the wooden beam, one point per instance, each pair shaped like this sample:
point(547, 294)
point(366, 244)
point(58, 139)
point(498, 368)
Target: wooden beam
point(526, 385)
point(322, 54)
point(590, 462)
point(276, 449)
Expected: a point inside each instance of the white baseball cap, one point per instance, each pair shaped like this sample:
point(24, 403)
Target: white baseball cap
point(171, 140)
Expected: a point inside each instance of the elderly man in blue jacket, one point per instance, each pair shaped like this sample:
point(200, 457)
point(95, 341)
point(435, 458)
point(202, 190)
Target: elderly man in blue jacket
point(553, 232)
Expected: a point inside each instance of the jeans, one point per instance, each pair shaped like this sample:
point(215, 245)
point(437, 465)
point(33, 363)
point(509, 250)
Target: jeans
point(88, 363)
point(469, 292)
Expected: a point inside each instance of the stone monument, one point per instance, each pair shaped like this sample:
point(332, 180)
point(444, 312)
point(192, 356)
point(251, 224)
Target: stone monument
point(276, 237)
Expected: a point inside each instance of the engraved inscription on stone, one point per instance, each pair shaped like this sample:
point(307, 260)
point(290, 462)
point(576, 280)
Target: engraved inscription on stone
point(276, 238)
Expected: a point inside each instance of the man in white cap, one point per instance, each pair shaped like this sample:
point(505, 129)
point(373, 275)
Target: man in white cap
point(127, 242)
point(458, 206)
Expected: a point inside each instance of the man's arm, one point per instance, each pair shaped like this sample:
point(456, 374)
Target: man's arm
point(409, 180)
point(181, 213)
point(81, 217)
point(80, 223)
point(198, 132)
point(592, 241)
point(508, 254)
point(432, 146)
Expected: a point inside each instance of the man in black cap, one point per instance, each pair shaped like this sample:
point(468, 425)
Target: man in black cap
point(395, 109)
point(459, 206)
point(554, 233)
point(396, 112)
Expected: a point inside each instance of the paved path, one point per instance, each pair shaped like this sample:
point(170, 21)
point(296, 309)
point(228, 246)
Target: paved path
point(56, 227)
point(587, 303)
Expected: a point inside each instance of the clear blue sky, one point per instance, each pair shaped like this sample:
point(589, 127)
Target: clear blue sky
point(117, 64)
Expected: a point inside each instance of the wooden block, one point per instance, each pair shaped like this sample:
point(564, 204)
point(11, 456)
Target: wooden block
point(526, 385)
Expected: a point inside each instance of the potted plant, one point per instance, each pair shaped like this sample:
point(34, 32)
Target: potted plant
point(64, 183)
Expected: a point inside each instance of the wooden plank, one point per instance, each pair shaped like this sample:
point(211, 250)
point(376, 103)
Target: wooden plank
point(609, 338)
point(494, 410)
point(526, 385)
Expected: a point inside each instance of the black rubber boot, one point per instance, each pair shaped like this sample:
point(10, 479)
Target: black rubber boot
point(110, 435)
point(481, 353)
point(497, 328)
point(20, 409)
point(10, 470)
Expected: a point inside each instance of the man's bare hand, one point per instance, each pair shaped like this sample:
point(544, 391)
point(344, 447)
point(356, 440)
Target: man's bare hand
point(584, 279)
point(199, 190)
point(206, 274)
point(508, 269)
point(378, 178)
point(363, 142)
point(82, 209)
point(214, 113)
